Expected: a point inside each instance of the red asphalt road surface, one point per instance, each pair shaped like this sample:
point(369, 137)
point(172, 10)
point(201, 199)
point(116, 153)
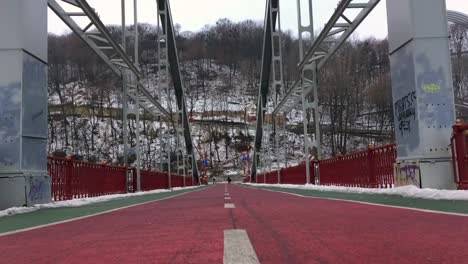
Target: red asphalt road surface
point(282, 228)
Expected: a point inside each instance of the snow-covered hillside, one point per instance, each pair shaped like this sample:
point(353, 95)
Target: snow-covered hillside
point(221, 105)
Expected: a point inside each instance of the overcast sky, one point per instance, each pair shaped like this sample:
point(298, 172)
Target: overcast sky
point(192, 15)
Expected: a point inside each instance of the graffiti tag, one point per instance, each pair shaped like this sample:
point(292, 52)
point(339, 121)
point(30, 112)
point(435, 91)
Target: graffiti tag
point(407, 174)
point(411, 172)
point(431, 88)
point(406, 112)
point(37, 190)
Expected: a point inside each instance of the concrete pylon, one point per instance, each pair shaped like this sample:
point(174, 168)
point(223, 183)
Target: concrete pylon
point(423, 98)
point(23, 103)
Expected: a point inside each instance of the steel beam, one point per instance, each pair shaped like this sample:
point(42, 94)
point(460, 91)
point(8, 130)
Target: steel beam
point(110, 52)
point(130, 87)
point(173, 59)
point(270, 32)
point(335, 33)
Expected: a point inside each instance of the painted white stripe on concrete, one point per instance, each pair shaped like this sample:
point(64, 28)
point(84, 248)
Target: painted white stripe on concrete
point(238, 249)
point(96, 214)
point(227, 198)
point(229, 205)
point(366, 203)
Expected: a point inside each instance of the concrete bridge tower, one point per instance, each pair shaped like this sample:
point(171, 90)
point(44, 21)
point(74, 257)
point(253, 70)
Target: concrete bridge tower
point(23, 103)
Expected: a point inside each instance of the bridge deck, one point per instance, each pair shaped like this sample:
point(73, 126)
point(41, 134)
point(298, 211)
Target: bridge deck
point(282, 228)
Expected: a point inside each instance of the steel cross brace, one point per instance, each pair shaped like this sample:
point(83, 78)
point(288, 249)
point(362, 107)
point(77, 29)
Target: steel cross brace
point(101, 42)
point(319, 54)
point(332, 37)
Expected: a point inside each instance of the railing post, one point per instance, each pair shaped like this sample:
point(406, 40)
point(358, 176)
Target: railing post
point(371, 175)
point(455, 155)
point(68, 178)
point(135, 181)
point(459, 154)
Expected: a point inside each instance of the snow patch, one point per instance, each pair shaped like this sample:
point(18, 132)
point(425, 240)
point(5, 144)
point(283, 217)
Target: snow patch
point(405, 191)
point(84, 201)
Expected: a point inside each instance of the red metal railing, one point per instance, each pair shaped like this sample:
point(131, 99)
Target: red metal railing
point(272, 177)
point(189, 181)
point(351, 170)
point(177, 181)
point(260, 178)
point(152, 180)
point(269, 177)
point(371, 168)
point(460, 155)
point(382, 162)
point(74, 179)
point(296, 175)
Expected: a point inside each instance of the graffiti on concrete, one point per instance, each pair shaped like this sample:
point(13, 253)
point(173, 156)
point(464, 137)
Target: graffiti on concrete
point(38, 189)
point(431, 88)
point(410, 172)
point(405, 110)
point(407, 174)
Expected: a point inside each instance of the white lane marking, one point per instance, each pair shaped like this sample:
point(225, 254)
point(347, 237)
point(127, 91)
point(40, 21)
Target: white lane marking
point(227, 198)
point(238, 249)
point(92, 215)
point(229, 205)
point(367, 203)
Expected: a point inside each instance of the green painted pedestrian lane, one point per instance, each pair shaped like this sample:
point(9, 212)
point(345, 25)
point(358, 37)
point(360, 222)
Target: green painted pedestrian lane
point(446, 206)
point(53, 215)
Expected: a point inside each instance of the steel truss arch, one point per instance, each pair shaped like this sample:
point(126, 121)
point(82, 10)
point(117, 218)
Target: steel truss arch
point(98, 38)
point(335, 33)
point(101, 42)
point(457, 18)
